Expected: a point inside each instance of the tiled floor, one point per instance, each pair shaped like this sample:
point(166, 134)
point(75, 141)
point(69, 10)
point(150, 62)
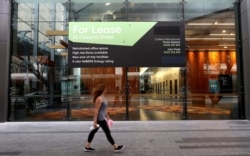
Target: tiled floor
point(142, 138)
point(139, 109)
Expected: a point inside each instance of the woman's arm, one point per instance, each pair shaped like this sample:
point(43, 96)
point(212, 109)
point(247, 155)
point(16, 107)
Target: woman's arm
point(106, 115)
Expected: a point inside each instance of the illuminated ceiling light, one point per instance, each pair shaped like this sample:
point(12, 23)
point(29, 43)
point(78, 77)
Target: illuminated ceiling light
point(200, 24)
point(225, 47)
point(215, 23)
point(225, 24)
point(210, 24)
point(222, 34)
point(226, 38)
point(212, 38)
point(107, 4)
point(224, 31)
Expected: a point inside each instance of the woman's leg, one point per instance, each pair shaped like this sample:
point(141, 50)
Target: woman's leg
point(91, 136)
point(106, 130)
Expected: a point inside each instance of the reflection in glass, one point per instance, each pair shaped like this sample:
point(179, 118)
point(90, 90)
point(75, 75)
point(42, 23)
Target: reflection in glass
point(44, 88)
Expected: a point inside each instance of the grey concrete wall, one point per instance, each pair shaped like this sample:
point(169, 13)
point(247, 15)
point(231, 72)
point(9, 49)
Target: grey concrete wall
point(245, 19)
point(4, 57)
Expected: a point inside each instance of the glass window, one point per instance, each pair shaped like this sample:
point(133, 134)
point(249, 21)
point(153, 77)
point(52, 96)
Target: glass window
point(44, 87)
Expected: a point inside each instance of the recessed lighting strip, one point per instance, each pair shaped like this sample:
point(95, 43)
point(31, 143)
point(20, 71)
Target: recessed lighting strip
point(210, 24)
point(222, 34)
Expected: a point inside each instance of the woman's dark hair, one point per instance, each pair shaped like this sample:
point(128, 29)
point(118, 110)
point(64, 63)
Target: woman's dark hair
point(98, 91)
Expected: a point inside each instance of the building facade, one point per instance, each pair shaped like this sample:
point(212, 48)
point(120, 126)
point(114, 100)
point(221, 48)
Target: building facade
point(189, 62)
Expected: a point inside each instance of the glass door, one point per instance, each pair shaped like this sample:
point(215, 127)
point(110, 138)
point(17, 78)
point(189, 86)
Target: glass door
point(160, 96)
point(211, 63)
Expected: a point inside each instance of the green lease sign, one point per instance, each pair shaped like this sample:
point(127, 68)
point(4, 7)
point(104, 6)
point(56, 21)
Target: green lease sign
point(108, 33)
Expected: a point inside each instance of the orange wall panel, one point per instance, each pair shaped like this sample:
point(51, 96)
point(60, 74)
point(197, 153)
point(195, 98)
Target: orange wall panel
point(199, 61)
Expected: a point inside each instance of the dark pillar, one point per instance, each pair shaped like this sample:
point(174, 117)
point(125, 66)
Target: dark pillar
point(4, 57)
point(245, 27)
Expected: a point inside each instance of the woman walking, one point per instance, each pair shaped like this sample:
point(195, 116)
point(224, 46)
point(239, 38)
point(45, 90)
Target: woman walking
point(100, 116)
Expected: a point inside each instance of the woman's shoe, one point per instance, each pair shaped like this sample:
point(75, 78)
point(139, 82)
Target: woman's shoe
point(119, 148)
point(88, 149)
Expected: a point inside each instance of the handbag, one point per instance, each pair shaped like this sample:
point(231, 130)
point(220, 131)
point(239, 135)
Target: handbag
point(110, 122)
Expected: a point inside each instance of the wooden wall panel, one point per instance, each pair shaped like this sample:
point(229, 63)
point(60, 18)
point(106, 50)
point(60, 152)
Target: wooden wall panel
point(202, 76)
point(193, 70)
point(197, 77)
point(93, 76)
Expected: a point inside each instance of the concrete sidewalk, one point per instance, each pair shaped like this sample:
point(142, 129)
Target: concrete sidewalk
point(142, 138)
